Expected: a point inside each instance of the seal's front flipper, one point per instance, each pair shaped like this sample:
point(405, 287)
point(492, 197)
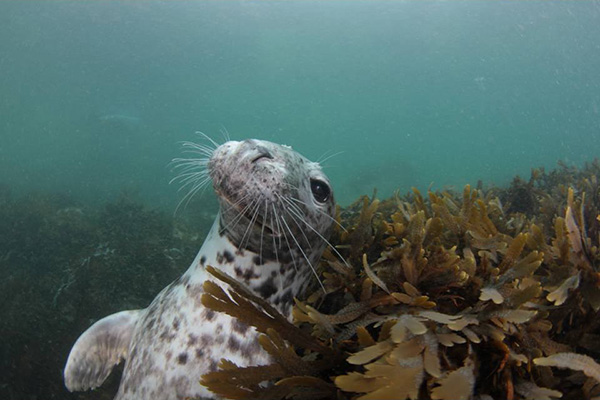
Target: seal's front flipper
point(99, 349)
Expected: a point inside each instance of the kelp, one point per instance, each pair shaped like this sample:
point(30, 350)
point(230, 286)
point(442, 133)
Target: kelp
point(488, 293)
point(297, 377)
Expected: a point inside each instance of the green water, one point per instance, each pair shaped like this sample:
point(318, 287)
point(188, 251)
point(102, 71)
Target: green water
point(95, 95)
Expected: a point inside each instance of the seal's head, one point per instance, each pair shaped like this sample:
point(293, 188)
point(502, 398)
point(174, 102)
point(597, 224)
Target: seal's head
point(272, 196)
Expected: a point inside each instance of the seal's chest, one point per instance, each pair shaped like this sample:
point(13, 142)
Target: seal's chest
point(177, 339)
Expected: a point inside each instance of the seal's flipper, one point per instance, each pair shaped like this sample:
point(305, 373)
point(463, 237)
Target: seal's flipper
point(99, 349)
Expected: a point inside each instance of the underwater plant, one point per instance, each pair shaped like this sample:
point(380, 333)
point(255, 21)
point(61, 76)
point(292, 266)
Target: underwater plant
point(448, 297)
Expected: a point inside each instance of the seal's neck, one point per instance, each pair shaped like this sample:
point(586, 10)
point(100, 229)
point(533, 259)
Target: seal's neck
point(276, 281)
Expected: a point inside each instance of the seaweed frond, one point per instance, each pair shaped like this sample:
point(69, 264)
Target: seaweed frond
point(447, 296)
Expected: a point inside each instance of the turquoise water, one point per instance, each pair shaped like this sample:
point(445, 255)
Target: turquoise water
point(95, 96)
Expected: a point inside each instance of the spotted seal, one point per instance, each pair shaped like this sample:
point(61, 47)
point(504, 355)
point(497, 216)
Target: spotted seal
point(276, 213)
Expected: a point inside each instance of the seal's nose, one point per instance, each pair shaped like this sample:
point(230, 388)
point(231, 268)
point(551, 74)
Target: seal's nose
point(261, 153)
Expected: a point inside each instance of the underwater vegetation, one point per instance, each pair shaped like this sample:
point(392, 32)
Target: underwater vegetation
point(485, 294)
point(63, 266)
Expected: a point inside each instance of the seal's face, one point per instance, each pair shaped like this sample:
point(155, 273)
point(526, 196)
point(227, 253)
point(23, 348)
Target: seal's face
point(273, 200)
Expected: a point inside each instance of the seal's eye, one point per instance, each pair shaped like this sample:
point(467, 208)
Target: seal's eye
point(320, 190)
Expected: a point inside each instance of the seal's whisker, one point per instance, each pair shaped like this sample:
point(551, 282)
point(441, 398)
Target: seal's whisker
point(295, 207)
point(195, 181)
point(329, 157)
point(188, 165)
point(335, 221)
point(195, 145)
point(196, 188)
point(236, 203)
point(316, 209)
point(241, 214)
point(185, 200)
point(254, 213)
point(233, 223)
point(191, 169)
point(200, 183)
point(295, 221)
point(193, 172)
point(269, 216)
point(303, 253)
point(197, 148)
point(325, 154)
point(277, 222)
point(280, 217)
point(225, 133)
point(332, 247)
point(208, 138)
point(274, 242)
point(189, 174)
point(180, 161)
point(185, 177)
point(262, 232)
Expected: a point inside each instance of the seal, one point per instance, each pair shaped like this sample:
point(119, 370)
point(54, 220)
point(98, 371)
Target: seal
point(276, 210)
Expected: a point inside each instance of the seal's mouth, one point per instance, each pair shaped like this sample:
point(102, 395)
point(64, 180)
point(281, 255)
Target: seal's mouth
point(252, 217)
point(260, 223)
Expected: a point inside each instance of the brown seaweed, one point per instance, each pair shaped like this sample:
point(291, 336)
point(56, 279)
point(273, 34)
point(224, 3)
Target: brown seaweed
point(454, 297)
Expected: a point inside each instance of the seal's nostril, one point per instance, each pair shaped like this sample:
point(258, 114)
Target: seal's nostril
point(262, 153)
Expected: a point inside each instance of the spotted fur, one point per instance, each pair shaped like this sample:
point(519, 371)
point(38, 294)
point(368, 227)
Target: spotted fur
point(270, 232)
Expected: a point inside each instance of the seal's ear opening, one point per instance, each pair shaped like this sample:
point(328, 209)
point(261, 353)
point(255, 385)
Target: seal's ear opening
point(96, 352)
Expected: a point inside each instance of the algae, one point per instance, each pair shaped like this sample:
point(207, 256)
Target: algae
point(488, 293)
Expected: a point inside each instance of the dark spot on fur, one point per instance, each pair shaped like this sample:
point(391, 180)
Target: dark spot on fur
point(228, 256)
point(219, 258)
point(249, 273)
point(273, 273)
point(202, 260)
point(199, 353)
point(213, 366)
point(185, 280)
point(192, 339)
point(267, 288)
point(238, 271)
point(240, 327)
point(176, 323)
point(233, 343)
point(287, 297)
point(182, 358)
point(167, 336)
point(208, 315)
point(251, 349)
point(206, 340)
point(256, 260)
